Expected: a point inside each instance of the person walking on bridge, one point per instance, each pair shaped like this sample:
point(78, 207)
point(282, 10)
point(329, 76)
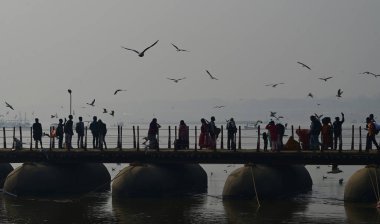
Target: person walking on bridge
point(37, 133)
point(371, 135)
point(337, 128)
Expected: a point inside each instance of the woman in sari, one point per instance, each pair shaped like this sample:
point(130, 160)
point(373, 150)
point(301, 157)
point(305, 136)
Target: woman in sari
point(204, 137)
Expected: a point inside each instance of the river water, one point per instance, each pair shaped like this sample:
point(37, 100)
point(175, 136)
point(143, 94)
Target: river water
point(324, 204)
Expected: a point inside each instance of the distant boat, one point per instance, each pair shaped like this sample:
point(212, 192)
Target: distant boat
point(250, 126)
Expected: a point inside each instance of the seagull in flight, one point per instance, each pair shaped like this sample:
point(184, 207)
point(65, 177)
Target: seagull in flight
point(118, 90)
point(141, 54)
point(325, 79)
point(54, 115)
point(112, 113)
point(105, 111)
point(8, 105)
point(272, 114)
point(275, 84)
point(318, 116)
point(176, 80)
point(211, 76)
point(339, 93)
point(92, 103)
point(310, 95)
point(304, 65)
point(218, 107)
point(179, 49)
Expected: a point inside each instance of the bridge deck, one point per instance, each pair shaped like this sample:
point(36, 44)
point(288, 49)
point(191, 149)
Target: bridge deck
point(346, 157)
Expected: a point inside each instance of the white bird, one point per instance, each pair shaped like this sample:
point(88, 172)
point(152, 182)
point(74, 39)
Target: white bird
point(211, 76)
point(304, 65)
point(176, 80)
point(179, 49)
point(141, 54)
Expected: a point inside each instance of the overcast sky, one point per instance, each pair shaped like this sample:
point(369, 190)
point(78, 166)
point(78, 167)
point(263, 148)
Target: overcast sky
point(47, 47)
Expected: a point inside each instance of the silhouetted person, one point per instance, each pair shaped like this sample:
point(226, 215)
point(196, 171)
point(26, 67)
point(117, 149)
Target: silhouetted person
point(183, 136)
point(371, 135)
point(59, 132)
point(231, 132)
point(152, 134)
point(272, 129)
point(265, 140)
point(94, 127)
point(213, 133)
point(315, 130)
point(79, 128)
point(37, 133)
point(337, 128)
point(280, 135)
point(68, 129)
point(102, 134)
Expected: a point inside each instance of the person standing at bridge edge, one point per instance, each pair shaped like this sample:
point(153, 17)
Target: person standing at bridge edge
point(68, 129)
point(94, 127)
point(102, 128)
point(79, 129)
point(315, 130)
point(371, 135)
point(37, 133)
point(214, 132)
point(152, 134)
point(337, 129)
point(231, 132)
point(60, 134)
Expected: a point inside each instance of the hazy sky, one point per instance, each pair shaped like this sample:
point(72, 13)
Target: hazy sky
point(47, 47)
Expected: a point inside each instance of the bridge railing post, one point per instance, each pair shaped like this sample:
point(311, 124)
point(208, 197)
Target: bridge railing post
point(169, 138)
point(14, 136)
point(50, 139)
point(121, 137)
point(138, 138)
point(53, 138)
point(195, 139)
point(258, 139)
point(118, 137)
point(85, 138)
point(360, 138)
point(221, 137)
point(292, 131)
point(134, 137)
point(20, 129)
point(352, 138)
point(31, 138)
point(175, 136)
point(239, 137)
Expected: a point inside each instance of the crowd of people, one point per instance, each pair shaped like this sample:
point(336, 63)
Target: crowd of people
point(330, 134)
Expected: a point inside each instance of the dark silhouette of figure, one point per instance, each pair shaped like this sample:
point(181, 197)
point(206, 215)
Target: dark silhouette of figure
point(327, 133)
point(102, 135)
point(213, 133)
point(204, 137)
point(231, 133)
point(94, 127)
point(68, 129)
point(37, 133)
point(315, 130)
point(183, 136)
point(152, 134)
point(371, 135)
point(59, 132)
point(265, 140)
point(79, 129)
point(280, 135)
point(273, 133)
point(337, 128)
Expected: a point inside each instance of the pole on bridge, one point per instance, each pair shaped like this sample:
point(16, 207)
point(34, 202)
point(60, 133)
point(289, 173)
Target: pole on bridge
point(360, 138)
point(175, 133)
point(239, 137)
point(118, 137)
point(221, 137)
point(352, 139)
point(121, 137)
point(14, 136)
point(50, 139)
point(158, 139)
point(31, 138)
point(134, 137)
point(258, 139)
point(4, 138)
point(85, 139)
point(138, 138)
point(53, 139)
point(195, 140)
point(20, 129)
point(169, 138)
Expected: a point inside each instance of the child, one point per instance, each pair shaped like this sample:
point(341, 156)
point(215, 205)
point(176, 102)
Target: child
point(265, 139)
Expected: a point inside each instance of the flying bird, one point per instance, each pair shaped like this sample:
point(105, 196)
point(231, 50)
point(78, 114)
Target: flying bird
point(105, 111)
point(141, 54)
point(179, 49)
point(310, 95)
point(118, 90)
point(92, 103)
point(275, 84)
point(112, 113)
point(318, 116)
point(304, 65)
point(176, 80)
point(339, 93)
point(218, 107)
point(8, 105)
point(211, 76)
point(325, 79)
point(272, 114)
point(341, 181)
point(54, 115)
